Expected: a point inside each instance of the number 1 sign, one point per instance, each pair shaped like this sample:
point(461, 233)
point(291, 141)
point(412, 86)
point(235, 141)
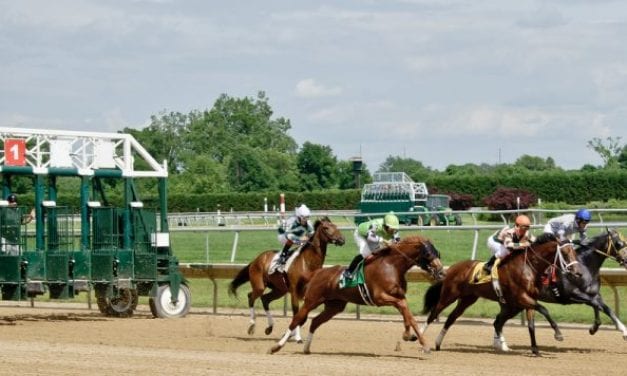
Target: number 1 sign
point(14, 152)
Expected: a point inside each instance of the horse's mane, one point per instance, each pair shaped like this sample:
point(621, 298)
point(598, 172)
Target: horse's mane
point(320, 220)
point(414, 239)
point(545, 238)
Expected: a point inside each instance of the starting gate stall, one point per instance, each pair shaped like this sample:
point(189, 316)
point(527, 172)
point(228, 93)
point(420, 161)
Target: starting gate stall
point(121, 252)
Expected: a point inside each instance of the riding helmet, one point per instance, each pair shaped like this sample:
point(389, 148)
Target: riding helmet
point(583, 215)
point(391, 221)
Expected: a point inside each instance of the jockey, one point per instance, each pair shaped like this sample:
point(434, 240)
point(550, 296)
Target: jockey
point(371, 236)
point(502, 242)
point(296, 230)
point(564, 226)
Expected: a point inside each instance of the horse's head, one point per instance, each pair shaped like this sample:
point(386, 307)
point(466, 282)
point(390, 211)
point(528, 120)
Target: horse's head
point(568, 259)
point(617, 247)
point(328, 231)
point(547, 246)
point(429, 261)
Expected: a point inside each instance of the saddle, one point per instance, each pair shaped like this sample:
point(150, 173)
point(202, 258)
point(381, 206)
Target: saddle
point(359, 281)
point(479, 277)
point(358, 277)
point(276, 267)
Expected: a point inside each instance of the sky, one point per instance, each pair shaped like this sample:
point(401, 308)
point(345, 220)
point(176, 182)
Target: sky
point(439, 81)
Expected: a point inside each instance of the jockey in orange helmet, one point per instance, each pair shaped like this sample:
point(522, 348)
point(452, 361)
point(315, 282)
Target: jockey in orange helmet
point(502, 242)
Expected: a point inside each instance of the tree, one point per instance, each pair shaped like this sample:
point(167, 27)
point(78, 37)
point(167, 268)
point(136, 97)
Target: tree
point(535, 163)
point(164, 138)
point(608, 151)
point(317, 166)
point(415, 169)
point(622, 158)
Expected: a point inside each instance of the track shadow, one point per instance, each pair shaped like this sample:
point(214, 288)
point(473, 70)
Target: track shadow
point(15, 319)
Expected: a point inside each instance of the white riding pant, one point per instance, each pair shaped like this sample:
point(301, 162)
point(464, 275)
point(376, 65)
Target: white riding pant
point(497, 249)
point(365, 247)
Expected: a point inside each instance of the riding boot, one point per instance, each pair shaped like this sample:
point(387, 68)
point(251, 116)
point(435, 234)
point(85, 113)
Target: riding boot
point(487, 267)
point(284, 255)
point(348, 273)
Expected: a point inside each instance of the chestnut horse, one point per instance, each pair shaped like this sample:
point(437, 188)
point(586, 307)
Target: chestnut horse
point(591, 254)
point(519, 276)
point(385, 284)
point(310, 258)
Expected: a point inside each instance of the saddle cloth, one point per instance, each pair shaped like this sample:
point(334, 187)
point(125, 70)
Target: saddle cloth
point(478, 276)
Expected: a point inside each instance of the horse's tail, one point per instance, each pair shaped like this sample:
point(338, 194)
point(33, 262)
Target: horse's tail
point(242, 277)
point(432, 297)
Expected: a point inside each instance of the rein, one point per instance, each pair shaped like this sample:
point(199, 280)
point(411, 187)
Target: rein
point(558, 257)
point(411, 260)
point(610, 245)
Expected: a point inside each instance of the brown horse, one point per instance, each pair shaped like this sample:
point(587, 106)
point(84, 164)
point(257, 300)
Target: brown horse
point(519, 275)
point(294, 280)
point(385, 285)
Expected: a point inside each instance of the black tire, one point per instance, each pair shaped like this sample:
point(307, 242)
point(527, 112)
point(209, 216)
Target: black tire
point(458, 220)
point(433, 221)
point(163, 307)
point(121, 306)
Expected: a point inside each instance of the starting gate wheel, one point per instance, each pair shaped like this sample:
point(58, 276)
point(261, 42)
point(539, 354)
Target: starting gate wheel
point(161, 306)
point(121, 306)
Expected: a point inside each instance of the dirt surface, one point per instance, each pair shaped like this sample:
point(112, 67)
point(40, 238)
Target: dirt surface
point(72, 340)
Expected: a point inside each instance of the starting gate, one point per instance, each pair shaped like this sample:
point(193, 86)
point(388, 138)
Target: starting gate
point(120, 251)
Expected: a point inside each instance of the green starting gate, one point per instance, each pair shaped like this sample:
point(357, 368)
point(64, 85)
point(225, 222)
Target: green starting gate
point(119, 251)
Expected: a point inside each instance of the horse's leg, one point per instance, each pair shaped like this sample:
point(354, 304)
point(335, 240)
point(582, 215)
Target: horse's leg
point(531, 325)
point(294, 300)
point(463, 303)
point(545, 312)
point(298, 320)
point(257, 288)
point(266, 299)
point(252, 296)
point(505, 314)
point(331, 308)
point(598, 300)
point(447, 297)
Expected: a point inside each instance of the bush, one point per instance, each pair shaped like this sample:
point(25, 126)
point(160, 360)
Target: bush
point(507, 199)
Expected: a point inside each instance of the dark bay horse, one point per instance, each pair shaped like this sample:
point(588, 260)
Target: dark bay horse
point(519, 276)
point(294, 280)
point(385, 285)
point(586, 290)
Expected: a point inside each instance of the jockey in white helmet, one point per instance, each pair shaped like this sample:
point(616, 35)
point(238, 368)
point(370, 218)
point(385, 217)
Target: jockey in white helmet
point(297, 230)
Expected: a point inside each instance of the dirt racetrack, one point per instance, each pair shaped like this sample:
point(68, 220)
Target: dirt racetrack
point(72, 340)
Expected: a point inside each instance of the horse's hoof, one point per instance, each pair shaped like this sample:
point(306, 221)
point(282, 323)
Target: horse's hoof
point(306, 351)
point(268, 330)
point(299, 341)
point(625, 337)
point(592, 331)
point(251, 329)
point(426, 350)
point(274, 349)
point(411, 338)
point(437, 347)
point(559, 337)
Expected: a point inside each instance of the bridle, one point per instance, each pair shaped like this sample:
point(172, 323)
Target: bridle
point(559, 259)
point(611, 245)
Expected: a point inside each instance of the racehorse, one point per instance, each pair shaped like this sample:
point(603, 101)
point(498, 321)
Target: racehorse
point(385, 284)
point(294, 280)
point(591, 255)
point(519, 275)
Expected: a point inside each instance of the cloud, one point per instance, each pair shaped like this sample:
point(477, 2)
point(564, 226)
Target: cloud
point(309, 88)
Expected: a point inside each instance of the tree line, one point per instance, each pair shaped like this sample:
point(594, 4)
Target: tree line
point(239, 146)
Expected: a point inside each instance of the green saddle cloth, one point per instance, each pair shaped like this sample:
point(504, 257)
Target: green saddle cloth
point(358, 278)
